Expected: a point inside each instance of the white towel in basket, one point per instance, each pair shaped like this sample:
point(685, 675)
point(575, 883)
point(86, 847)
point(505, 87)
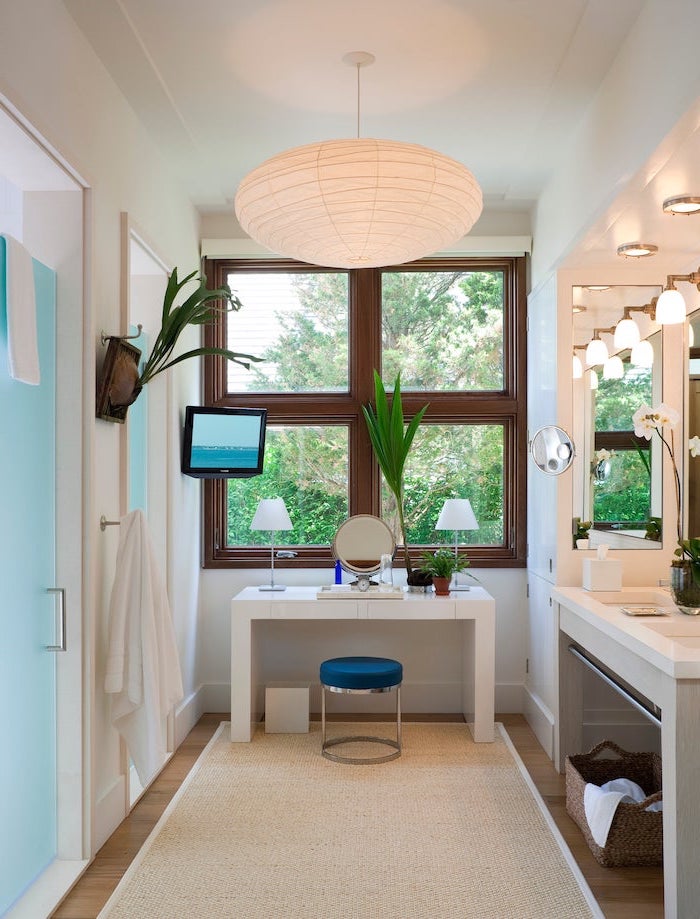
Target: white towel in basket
point(600, 804)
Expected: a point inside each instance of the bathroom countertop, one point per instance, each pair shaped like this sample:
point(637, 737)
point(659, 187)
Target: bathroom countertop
point(670, 643)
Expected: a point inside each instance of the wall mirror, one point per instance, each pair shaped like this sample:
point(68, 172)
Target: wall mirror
point(693, 415)
point(360, 543)
point(618, 486)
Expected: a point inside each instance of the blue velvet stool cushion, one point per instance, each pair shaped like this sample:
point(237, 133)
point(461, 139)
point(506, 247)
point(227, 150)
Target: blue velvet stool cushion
point(361, 672)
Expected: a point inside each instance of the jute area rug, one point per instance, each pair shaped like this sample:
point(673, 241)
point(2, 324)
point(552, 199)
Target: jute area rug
point(272, 829)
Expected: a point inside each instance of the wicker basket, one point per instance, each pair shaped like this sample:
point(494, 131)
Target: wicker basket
point(636, 835)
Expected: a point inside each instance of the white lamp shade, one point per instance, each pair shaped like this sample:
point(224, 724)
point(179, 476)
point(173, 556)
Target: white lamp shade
point(613, 368)
point(642, 354)
point(457, 514)
point(576, 367)
point(626, 333)
point(670, 307)
point(359, 203)
point(271, 514)
point(594, 380)
point(596, 352)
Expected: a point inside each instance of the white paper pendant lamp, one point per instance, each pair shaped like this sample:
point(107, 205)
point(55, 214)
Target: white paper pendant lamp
point(360, 203)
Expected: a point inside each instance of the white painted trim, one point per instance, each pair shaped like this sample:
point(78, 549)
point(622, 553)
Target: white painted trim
point(416, 697)
point(109, 811)
point(48, 890)
point(540, 719)
point(190, 710)
point(468, 245)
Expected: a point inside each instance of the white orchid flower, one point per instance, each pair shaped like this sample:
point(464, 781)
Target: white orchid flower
point(644, 422)
point(666, 415)
point(694, 446)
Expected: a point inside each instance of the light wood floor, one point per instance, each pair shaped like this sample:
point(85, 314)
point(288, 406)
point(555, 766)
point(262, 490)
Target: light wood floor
point(624, 893)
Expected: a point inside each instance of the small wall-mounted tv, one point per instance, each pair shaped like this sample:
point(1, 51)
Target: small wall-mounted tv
point(223, 443)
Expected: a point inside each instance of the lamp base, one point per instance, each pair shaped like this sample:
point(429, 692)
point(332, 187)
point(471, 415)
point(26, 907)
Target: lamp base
point(272, 587)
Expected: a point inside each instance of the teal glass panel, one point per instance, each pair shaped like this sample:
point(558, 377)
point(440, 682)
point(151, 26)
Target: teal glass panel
point(27, 612)
point(137, 420)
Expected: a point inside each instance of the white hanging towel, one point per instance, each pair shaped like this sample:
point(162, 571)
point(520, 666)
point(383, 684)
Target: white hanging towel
point(22, 347)
point(143, 668)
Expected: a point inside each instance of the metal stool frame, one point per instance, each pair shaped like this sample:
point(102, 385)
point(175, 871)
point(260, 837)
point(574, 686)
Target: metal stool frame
point(354, 760)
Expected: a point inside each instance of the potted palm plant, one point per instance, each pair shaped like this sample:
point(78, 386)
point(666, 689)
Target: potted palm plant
point(391, 445)
point(441, 565)
point(121, 382)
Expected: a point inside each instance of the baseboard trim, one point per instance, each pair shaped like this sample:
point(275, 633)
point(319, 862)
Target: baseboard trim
point(540, 719)
point(109, 812)
point(416, 697)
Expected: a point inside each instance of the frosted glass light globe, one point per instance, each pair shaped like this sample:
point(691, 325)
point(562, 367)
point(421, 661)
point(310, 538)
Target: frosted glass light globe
point(626, 334)
point(670, 308)
point(642, 355)
point(596, 352)
point(613, 368)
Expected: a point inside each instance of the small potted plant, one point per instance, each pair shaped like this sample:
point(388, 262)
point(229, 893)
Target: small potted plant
point(441, 565)
point(581, 528)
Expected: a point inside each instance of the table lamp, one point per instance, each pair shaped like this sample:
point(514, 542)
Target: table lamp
point(271, 514)
point(457, 514)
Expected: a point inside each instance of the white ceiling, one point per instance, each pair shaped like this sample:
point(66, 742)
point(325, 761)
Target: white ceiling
point(499, 85)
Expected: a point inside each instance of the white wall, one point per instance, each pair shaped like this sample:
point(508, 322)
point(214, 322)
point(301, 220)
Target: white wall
point(50, 75)
point(650, 86)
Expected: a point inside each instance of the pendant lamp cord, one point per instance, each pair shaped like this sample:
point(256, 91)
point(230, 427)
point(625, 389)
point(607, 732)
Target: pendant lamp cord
point(358, 100)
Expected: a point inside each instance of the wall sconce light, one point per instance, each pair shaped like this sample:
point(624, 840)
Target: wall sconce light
point(626, 333)
point(637, 250)
point(594, 380)
point(682, 204)
point(576, 367)
point(642, 354)
point(596, 286)
point(613, 368)
point(597, 351)
point(670, 307)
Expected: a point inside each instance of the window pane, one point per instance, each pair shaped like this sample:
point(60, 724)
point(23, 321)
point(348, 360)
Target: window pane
point(616, 401)
point(621, 488)
point(308, 467)
point(448, 461)
point(443, 329)
point(298, 324)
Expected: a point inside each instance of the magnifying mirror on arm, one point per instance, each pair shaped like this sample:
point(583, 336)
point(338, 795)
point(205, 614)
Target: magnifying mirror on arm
point(359, 545)
point(552, 450)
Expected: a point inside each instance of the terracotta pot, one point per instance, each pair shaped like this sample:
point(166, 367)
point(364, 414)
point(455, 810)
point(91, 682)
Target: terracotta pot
point(442, 586)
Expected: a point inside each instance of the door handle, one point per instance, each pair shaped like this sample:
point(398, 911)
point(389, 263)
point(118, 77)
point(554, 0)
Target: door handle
point(61, 591)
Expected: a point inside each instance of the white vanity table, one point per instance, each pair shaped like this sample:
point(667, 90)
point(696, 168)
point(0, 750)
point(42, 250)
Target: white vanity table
point(474, 608)
point(659, 658)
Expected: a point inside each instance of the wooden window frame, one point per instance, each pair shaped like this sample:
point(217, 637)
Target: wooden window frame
point(507, 407)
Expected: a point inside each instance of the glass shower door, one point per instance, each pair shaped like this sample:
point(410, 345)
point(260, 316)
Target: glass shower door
point(28, 611)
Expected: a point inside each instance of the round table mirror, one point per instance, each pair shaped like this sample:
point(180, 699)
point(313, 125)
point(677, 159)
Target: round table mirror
point(360, 543)
point(552, 450)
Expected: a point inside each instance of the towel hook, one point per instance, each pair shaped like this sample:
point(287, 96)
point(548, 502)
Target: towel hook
point(105, 338)
point(104, 523)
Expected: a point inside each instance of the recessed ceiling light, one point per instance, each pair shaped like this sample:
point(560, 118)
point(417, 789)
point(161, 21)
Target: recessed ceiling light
point(637, 250)
point(682, 204)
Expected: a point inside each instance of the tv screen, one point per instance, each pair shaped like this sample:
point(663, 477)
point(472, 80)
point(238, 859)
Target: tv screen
point(223, 443)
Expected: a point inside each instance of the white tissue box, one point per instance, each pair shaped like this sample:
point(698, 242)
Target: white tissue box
point(602, 574)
